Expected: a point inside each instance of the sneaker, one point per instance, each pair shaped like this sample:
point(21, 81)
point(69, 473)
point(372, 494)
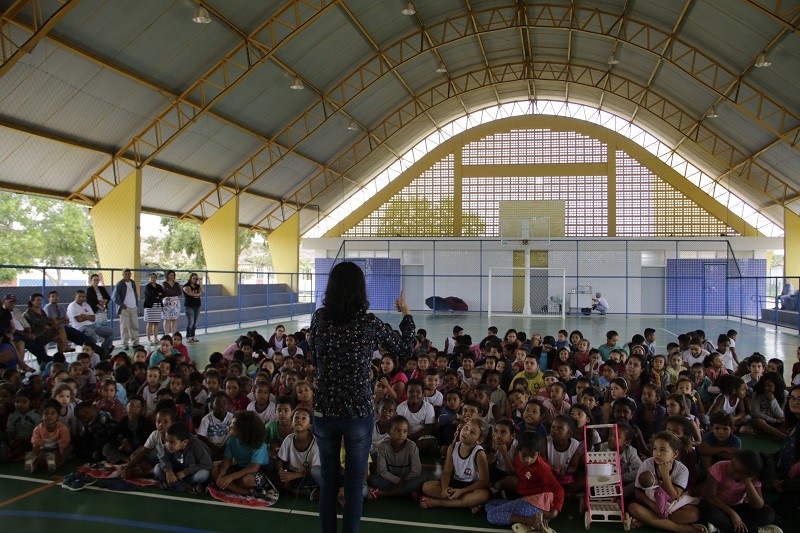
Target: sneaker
point(73, 484)
point(314, 495)
point(85, 479)
point(770, 529)
point(50, 457)
point(29, 467)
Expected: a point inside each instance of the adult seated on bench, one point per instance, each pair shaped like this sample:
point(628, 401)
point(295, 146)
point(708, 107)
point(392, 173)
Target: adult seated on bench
point(787, 297)
point(600, 304)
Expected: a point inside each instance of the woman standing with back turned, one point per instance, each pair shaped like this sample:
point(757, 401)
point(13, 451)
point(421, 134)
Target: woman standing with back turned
point(343, 337)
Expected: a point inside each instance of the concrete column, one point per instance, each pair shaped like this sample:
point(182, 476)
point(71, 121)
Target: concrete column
point(219, 236)
point(115, 220)
point(284, 247)
point(791, 246)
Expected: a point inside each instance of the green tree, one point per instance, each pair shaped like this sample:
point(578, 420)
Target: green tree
point(180, 247)
point(419, 217)
point(43, 231)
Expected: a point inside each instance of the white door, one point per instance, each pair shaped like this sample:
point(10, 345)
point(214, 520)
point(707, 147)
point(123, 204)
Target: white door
point(413, 284)
point(653, 290)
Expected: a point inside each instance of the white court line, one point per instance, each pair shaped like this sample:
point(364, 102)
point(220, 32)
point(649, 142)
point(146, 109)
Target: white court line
point(271, 509)
point(668, 331)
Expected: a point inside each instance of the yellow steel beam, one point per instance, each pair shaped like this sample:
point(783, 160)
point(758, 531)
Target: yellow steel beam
point(125, 159)
point(775, 11)
point(11, 51)
point(667, 45)
point(480, 44)
point(218, 81)
point(166, 92)
point(589, 20)
point(718, 149)
point(782, 123)
point(535, 170)
point(555, 123)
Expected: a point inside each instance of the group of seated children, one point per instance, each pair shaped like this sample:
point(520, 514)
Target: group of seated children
point(508, 415)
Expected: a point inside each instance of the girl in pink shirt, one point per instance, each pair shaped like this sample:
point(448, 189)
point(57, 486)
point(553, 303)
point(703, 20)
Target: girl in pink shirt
point(732, 499)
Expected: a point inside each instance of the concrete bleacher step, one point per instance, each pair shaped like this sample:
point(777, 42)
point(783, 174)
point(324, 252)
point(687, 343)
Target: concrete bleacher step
point(789, 319)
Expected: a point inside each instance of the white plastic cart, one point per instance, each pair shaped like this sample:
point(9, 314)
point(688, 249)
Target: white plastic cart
point(604, 500)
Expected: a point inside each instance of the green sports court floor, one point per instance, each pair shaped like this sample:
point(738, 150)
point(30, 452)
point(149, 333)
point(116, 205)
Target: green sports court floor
point(33, 503)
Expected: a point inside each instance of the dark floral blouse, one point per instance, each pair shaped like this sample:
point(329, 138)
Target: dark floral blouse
point(342, 354)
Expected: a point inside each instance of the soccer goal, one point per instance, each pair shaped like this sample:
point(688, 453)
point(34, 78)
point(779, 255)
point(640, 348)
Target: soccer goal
point(546, 292)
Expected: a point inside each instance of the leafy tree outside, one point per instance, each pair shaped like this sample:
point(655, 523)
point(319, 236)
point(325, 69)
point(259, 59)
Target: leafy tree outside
point(43, 231)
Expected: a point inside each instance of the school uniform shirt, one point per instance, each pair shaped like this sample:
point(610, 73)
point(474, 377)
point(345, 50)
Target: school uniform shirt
point(190, 460)
point(297, 352)
point(156, 442)
point(538, 479)
point(679, 474)
point(294, 458)
point(20, 426)
point(500, 399)
point(416, 421)
point(559, 459)
point(465, 469)
point(436, 400)
point(150, 397)
point(214, 429)
point(690, 359)
point(58, 439)
point(393, 466)
point(267, 415)
point(500, 463)
point(377, 437)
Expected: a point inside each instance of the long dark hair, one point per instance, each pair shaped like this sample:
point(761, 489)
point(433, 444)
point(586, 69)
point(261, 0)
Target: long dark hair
point(346, 293)
point(777, 380)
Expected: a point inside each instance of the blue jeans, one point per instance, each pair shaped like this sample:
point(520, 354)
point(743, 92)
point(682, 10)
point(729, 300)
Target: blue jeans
point(201, 476)
point(357, 433)
point(192, 314)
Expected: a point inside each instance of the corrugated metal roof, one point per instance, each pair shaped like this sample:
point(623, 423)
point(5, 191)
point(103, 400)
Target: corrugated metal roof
point(95, 83)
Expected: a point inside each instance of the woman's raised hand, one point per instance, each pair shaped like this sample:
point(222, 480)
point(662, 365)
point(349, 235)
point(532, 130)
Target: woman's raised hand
point(401, 304)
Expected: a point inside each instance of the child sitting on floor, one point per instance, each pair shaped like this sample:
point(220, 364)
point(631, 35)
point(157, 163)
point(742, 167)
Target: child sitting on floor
point(50, 441)
point(398, 469)
point(541, 496)
point(245, 454)
point(298, 465)
point(465, 477)
point(186, 463)
point(720, 443)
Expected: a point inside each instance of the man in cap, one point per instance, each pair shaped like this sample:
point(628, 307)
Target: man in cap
point(600, 304)
point(82, 318)
point(127, 301)
point(21, 331)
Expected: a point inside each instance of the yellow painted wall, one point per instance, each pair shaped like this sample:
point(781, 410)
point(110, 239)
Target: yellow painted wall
point(610, 137)
point(791, 245)
point(284, 247)
point(219, 236)
point(115, 220)
point(539, 259)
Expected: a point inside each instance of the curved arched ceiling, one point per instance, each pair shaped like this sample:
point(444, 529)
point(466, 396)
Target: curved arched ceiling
point(206, 110)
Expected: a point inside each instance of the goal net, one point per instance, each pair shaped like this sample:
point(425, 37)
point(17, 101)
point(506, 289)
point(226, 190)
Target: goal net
point(547, 291)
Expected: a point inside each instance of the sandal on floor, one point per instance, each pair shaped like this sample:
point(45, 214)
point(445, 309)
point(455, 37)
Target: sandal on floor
point(373, 494)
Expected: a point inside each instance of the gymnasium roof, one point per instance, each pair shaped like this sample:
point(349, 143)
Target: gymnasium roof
point(91, 88)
